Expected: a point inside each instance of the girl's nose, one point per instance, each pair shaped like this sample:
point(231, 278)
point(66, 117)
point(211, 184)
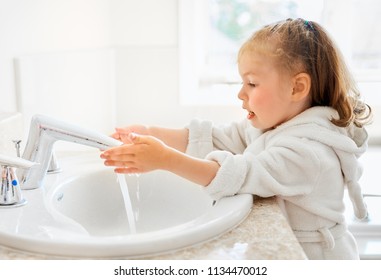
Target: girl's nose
point(241, 94)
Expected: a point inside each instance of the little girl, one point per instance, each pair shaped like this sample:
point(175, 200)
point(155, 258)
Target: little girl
point(299, 142)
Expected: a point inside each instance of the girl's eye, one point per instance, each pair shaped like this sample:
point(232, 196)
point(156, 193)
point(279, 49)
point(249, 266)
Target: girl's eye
point(252, 84)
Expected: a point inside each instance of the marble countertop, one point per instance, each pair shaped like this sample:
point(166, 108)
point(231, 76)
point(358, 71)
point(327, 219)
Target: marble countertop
point(263, 235)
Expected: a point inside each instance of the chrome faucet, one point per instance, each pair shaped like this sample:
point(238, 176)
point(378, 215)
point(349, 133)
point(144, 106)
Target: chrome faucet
point(10, 192)
point(43, 133)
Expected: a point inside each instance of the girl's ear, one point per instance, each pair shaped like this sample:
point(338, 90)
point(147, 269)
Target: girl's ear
point(302, 86)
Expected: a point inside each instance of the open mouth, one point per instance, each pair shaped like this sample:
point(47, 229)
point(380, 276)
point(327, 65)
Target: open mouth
point(250, 115)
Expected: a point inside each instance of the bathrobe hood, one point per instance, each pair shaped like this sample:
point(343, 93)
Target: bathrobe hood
point(349, 143)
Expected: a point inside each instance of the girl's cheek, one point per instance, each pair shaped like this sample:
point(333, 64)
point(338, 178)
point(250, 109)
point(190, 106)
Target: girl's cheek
point(256, 100)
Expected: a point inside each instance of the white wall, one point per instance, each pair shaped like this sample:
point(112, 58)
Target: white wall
point(143, 35)
point(40, 26)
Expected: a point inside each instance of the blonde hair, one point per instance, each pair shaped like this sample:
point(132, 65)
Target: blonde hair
point(304, 46)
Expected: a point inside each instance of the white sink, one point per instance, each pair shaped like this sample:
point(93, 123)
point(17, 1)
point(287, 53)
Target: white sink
point(80, 213)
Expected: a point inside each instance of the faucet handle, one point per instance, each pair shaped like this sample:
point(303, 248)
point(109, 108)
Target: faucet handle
point(10, 192)
point(16, 162)
point(17, 146)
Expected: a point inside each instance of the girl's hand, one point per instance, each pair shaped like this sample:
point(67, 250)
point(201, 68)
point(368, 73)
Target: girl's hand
point(142, 153)
point(122, 133)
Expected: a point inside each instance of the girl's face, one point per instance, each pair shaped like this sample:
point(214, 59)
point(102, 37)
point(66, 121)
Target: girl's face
point(265, 93)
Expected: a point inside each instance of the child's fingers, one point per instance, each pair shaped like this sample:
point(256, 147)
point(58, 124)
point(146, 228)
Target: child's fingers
point(115, 135)
point(125, 138)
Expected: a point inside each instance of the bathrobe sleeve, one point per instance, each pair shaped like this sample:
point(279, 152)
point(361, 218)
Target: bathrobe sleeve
point(204, 138)
point(289, 167)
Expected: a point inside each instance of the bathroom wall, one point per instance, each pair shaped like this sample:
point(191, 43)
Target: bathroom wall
point(145, 34)
point(142, 37)
point(43, 26)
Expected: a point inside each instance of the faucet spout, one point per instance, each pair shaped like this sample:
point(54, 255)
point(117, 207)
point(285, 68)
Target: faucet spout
point(43, 133)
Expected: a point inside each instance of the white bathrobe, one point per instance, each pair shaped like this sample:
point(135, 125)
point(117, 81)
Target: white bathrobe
point(306, 163)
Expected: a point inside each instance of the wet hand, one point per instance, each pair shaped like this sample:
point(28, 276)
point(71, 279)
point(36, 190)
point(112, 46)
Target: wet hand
point(142, 153)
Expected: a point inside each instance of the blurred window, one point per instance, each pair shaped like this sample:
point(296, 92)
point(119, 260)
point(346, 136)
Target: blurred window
point(211, 32)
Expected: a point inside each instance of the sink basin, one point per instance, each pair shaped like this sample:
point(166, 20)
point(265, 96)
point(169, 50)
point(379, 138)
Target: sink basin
point(80, 212)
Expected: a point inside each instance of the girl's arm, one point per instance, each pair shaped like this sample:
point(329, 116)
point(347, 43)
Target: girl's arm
point(175, 138)
point(146, 153)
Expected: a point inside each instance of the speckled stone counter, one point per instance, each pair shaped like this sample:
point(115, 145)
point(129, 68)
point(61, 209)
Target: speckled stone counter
point(263, 235)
